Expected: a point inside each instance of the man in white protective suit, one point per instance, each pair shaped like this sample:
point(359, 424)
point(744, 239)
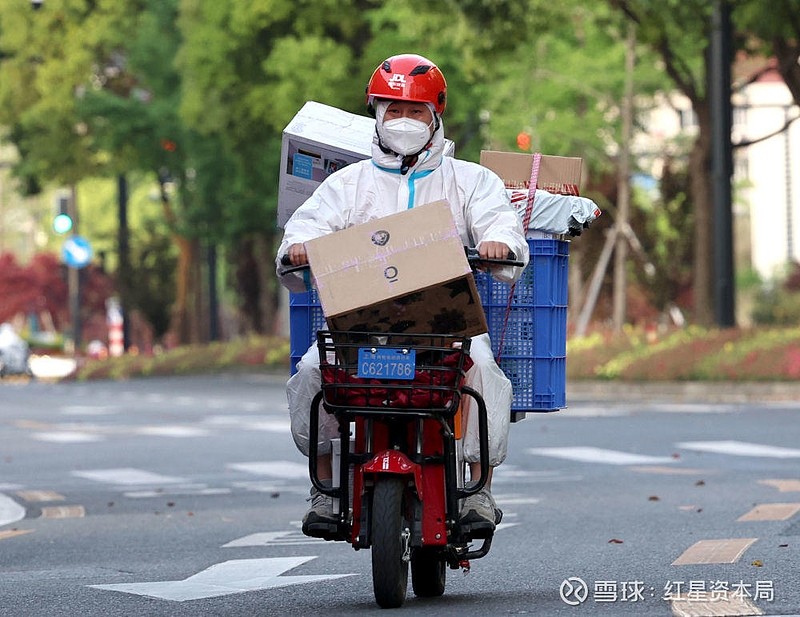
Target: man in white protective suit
point(407, 95)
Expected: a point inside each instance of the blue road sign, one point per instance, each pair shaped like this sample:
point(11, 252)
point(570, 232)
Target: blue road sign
point(76, 252)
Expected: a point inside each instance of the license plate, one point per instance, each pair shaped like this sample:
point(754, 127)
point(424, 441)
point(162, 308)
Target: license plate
point(386, 363)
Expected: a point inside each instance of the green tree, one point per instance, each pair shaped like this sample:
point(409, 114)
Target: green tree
point(679, 31)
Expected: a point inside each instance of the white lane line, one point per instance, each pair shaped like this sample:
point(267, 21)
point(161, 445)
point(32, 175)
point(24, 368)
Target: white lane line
point(67, 437)
point(87, 410)
point(588, 454)
point(10, 511)
point(256, 423)
point(278, 469)
point(273, 538)
point(176, 491)
point(274, 487)
point(739, 448)
point(223, 579)
point(513, 473)
point(172, 431)
point(126, 476)
point(512, 500)
point(579, 410)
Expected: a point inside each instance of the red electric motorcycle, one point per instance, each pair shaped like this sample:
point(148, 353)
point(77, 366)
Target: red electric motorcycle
point(398, 468)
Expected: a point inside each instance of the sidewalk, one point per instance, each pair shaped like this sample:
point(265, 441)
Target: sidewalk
point(689, 391)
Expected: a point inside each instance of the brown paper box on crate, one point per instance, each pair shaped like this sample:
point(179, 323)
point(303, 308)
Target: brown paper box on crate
point(557, 174)
point(402, 273)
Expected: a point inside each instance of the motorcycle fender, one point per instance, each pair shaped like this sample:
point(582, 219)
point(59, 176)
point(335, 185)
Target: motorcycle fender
point(395, 462)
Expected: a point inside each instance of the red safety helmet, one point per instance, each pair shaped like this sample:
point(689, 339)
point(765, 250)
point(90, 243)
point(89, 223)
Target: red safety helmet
point(408, 77)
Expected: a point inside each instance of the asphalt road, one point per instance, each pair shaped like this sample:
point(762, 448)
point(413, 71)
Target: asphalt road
point(183, 497)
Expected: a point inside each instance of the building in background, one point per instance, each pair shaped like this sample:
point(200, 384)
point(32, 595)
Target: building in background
point(766, 182)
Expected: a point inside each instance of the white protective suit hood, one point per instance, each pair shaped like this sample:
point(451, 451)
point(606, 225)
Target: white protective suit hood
point(427, 158)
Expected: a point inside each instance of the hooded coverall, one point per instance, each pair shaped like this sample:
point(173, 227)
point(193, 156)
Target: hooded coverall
point(375, 188)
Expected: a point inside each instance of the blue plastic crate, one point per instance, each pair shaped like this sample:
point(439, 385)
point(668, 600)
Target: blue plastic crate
point(532, 330)
point(534, 344)
point(305, 319)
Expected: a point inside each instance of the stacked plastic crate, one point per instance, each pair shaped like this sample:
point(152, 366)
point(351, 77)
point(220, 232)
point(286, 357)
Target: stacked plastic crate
point(529, 333)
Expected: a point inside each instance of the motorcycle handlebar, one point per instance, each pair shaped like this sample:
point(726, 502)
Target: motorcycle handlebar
point(473, 257)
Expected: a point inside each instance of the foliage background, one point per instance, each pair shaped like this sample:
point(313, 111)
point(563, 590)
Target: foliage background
point(185, 100)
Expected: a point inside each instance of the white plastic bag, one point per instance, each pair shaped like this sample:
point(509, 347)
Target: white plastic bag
point(555, 214)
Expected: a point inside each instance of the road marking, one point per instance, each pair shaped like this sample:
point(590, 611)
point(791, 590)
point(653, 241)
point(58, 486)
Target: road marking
point(739, 448)
point(227, 578)
point(127, 476)
point(706, 604)
point(177, 490)
point(579, 410)
point(278, 469)
point(587, 454)
point(13, 533)
point(263, 486)
point(67, 437)
point(31, 424)
point(771, 512)
point(784, 486)
point(10, 510)
point(172, 431)
point(273, 538)
point(255, 423)
point(63, 512)
point(514, 500)
point(35, 496)
point(679, 471)
point(714, 551)
point(87, 410)
point(512, 473)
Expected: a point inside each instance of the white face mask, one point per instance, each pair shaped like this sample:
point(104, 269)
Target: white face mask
point(405, 136)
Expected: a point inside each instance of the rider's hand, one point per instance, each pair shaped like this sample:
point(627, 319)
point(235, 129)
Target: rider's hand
point(297, 254)
point(493, 250)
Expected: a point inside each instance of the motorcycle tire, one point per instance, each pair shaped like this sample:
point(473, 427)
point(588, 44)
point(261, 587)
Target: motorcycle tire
point(389, 570)
point(428, 573)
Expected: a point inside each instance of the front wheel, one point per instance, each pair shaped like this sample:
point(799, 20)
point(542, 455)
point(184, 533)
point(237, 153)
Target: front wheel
point(390, 541)
point(428, 572)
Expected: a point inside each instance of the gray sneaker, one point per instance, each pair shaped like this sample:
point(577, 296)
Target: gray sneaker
point(479, 514)
point(320, 518)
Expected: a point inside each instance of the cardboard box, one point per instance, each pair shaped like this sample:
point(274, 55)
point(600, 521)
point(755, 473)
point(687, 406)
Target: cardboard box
point(318, 141)
point(557, 174)
point(402, 273)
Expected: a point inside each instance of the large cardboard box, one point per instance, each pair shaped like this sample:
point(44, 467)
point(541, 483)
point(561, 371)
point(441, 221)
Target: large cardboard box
point(557, 174)
point(402, 273)
point(318, 141)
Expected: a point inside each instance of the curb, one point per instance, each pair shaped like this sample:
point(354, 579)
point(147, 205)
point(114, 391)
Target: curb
point(688, 391)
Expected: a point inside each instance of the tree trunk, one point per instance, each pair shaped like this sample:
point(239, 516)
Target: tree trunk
point(700, 187)
point(185, 316)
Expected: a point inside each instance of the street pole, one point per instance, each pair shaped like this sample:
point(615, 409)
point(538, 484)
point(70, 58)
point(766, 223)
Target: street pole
point(74, 277)
point(722, 164)
point(123, 244)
